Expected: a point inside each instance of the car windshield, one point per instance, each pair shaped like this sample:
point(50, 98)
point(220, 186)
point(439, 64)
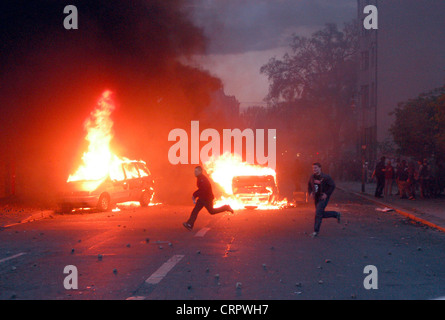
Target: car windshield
point(131, 171)
point(143, 171)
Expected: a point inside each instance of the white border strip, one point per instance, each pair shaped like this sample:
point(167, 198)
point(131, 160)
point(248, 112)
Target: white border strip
point(12, 257)
point(159, 274)
point(202, 232)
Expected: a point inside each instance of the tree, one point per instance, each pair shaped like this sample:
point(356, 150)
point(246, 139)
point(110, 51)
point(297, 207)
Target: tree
point(318, 80)
point(419, 125)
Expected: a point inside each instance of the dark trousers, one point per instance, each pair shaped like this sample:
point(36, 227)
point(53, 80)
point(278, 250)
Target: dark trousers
point(380, 186)
point(208, 204)
point(321, 214)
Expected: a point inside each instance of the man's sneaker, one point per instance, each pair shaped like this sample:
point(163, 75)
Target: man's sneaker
point(338, 217)
point(187, 226)
point(313, 235)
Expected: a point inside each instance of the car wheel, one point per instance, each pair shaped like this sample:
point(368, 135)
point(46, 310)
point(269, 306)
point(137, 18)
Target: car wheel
point(104, 203)
point(145, 199)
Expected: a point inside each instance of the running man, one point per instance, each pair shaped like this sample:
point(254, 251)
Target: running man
point(205, 198)
point(320, 188)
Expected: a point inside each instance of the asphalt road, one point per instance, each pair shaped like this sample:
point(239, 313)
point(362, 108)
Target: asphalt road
point(146, 253)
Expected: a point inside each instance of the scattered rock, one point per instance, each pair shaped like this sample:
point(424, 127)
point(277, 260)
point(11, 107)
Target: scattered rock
point(128, 245)
point(99, 257)
point(115, 271)
point(327, 261)
point(298, 284)
point(238, 285)
point(320, 282)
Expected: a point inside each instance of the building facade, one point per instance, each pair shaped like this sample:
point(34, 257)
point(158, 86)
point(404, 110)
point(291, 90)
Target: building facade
point(404, 57)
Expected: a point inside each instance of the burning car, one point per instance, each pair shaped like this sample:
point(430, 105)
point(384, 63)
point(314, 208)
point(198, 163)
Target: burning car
point(127, 181)
point(254, 191)
point(103, 178)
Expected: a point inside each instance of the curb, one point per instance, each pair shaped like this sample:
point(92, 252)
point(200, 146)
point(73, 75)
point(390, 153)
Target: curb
point(403, 212)
point(34, 217)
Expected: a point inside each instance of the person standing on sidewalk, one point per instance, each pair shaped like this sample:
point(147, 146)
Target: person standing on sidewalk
point(402, 176)
point(320, 188)
point(412, 181)
point(397, 172)
point(379, 174)
point(389, 178)
point(205, 198)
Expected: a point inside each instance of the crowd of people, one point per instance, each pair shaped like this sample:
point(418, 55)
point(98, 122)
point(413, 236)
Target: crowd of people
point(424, 178)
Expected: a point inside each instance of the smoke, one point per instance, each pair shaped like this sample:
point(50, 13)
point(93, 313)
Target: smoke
point(51, 79)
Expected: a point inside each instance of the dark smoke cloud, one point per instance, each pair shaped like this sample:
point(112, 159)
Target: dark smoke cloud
point(236, 26)
point(51, 79)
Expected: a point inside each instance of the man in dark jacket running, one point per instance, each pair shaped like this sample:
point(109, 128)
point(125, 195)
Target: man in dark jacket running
point(320, 188)
point(205, 198)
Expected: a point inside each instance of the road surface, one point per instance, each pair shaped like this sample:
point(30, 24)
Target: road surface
point(146, 253)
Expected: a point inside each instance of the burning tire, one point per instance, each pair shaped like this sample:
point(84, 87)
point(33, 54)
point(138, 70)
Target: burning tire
point(145, 199)
point(104, 203)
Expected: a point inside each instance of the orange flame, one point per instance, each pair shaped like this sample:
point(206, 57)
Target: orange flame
point(99, 161)
point(223, 169)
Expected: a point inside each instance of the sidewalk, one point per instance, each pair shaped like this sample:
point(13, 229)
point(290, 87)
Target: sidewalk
point(430, 212)
point(13, 212)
